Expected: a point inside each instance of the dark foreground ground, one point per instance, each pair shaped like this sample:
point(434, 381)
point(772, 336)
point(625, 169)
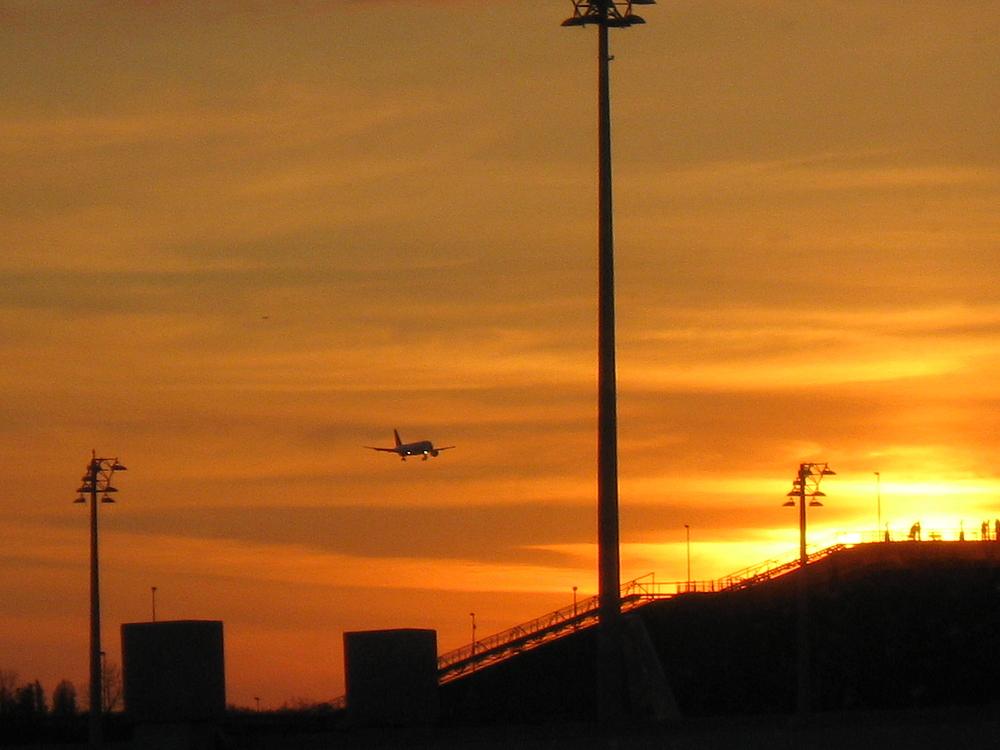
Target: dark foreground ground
point(926, 729)
point(930, 730)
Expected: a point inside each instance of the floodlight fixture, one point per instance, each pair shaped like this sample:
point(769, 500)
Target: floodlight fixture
point(607, 13)
point(97, 485)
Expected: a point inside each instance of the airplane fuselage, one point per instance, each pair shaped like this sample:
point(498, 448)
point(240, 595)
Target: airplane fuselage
point(422, 448)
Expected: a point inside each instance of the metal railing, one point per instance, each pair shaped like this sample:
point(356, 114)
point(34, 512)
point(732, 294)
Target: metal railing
point(645, 588)
point(584, 613)
point(541, 630)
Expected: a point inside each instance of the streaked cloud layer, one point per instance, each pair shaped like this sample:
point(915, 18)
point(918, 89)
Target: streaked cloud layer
point(241, 240)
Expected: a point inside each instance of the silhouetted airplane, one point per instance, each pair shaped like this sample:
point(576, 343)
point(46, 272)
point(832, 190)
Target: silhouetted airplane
point(423, 448)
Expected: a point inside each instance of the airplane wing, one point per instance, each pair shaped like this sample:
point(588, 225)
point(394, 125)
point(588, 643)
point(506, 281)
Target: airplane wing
point(388, 450)
point(447, 447)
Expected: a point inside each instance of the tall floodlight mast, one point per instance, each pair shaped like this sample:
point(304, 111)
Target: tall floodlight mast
point(805, 485)
point(96, 486)
point(606, 14)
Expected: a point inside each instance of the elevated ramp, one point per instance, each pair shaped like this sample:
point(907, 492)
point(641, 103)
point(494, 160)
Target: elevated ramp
point(584, 614)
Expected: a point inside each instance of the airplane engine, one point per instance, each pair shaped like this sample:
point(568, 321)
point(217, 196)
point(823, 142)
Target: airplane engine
point(435, 453)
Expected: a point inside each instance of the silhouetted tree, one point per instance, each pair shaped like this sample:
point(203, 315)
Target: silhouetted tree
point(64, 700)
point(8, 690)
point(30, 700)
point(111, 685)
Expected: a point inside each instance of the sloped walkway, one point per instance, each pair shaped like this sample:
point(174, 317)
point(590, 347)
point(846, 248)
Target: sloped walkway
point(635, 593)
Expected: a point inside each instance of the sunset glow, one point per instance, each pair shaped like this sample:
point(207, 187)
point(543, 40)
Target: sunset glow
point(243, 239)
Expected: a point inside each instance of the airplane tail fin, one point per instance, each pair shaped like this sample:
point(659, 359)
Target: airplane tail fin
point(398, 441)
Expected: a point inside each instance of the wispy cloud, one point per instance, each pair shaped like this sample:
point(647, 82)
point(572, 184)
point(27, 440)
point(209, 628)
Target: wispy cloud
point(242, 240)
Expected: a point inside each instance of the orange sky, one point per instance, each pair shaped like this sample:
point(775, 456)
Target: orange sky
point(243, 239)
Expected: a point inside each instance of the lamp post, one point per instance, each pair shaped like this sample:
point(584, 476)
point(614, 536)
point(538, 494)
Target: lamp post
point(96, 482)
point(687, 531)
point(805, 484)
point(105, 686)
point(606, 14)
point(878, 502)
point(472, 647)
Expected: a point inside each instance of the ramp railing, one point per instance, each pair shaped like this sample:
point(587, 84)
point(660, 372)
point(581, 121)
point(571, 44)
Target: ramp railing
point(541, 630)
point(584, 613)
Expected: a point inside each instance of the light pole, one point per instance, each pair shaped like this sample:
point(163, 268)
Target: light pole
point(472, 648)
point(687, 531)
point(878, 502)
point(805, 484)
point(105, 685)
point(97, 481)
point(154, 603)
point(606, 14)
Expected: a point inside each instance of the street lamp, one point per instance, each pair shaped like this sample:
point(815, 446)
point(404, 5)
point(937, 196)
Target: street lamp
point(687, 531)
point(606, 14)
point(472, 648)
point(96, 482)
point(878, 502)
point(105, 684)
point(805, 484)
